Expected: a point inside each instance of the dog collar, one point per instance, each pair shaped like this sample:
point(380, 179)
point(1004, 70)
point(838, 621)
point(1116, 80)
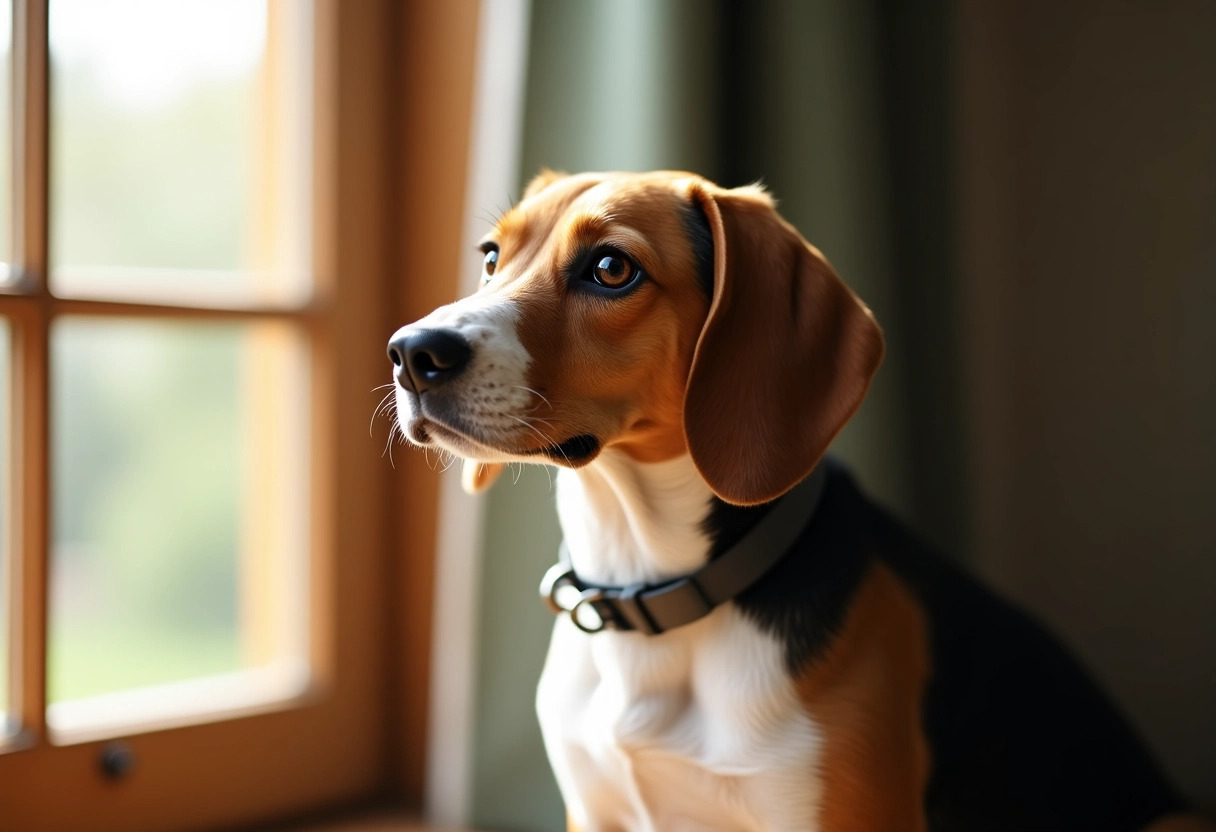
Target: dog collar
point(659, 607)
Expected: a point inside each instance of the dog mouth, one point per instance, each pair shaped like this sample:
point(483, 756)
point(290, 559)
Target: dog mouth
point(577, 450)
point(426, 431)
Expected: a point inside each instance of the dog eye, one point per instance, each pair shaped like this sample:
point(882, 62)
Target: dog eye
point(491, 263)
point(614, 271)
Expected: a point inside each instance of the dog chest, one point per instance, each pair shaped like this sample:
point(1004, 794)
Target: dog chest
point(699, 728)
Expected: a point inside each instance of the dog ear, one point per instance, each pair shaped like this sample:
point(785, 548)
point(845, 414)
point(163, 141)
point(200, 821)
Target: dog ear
point(476, 477)
point(784, 358)
point(543, 180)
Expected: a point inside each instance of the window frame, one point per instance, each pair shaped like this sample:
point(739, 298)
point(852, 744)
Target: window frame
point(362, 733)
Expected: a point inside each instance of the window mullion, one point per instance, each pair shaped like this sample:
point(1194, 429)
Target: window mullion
point(31, 145)
point(32, 516)
point(30, 52)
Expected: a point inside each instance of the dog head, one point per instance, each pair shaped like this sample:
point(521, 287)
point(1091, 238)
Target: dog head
point(656, 313)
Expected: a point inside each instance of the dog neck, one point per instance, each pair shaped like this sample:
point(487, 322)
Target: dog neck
point(628, 522)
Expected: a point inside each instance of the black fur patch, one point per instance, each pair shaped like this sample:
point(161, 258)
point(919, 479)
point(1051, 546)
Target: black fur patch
point(1020, 737)
point(803, 599)
point(701, 240)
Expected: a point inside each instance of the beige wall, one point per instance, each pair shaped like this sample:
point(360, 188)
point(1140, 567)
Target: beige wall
point(1087, 219)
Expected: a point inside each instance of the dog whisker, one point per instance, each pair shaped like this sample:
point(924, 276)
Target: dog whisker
point(377, 411)
point(447, 459)
point(541, 434)
point(388, 445)
point(537, 419)
point(534, 393)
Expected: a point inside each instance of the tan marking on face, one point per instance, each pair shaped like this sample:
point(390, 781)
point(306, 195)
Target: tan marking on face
point(866, 694)
point(611, 366)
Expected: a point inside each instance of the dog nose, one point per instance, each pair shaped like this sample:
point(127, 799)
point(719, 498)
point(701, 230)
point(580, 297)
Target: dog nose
point(426, 358)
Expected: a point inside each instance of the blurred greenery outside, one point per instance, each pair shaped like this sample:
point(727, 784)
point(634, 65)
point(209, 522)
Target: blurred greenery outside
point(6, 191)
point(6, 187)
point(160, 186)
point(146, 464)
point(149, 432)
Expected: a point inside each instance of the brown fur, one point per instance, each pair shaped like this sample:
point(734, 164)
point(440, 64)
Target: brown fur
point(866, 694)
point(662, 372)
point(612, 368)
point(785, 357)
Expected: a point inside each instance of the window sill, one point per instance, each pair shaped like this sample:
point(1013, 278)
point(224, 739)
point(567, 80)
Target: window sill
point(380, 820)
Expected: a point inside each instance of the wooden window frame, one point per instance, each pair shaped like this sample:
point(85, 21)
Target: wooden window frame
point(388, 202)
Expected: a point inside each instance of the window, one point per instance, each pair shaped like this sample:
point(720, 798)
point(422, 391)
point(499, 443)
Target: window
point(6, 129)
point(178, 447)
point(193, 547)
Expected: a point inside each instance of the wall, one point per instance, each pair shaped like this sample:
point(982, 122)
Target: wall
point(1087, 201)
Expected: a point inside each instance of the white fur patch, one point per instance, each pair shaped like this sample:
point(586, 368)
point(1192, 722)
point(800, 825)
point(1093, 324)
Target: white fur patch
point(492, 391)
point(699, 728)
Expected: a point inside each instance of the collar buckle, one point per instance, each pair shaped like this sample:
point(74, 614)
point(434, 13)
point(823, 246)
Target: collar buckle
point(559, 576)
point(590, 598)
point(657, 608)
point(560, 584)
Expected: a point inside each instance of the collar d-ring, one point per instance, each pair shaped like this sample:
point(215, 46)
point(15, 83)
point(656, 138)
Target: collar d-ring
point(657, 608)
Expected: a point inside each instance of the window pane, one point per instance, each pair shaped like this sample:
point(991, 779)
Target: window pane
point(6, 583)
point(6, 131)
point(179, 545)
point(181, 149)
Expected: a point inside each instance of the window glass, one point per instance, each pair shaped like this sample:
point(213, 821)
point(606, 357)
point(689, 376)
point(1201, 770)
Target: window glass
point(179, 530)
point(180, 152)
point(6, 131)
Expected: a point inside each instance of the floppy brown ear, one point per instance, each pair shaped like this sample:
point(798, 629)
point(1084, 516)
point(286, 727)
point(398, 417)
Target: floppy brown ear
point(543, 180)
point(476, 477)
point(785, 356)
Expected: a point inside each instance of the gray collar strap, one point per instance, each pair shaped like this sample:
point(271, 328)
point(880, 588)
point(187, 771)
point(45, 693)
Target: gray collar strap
point(659, 607)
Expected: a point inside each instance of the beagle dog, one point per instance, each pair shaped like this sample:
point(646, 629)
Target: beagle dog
point(748, 643)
